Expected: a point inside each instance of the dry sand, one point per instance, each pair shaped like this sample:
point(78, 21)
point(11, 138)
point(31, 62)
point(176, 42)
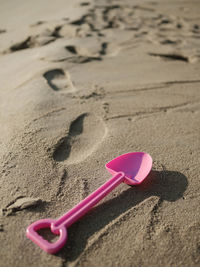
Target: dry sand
point(82, 82)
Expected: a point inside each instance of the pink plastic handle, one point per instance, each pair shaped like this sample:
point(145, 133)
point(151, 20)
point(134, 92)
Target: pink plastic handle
point(51, 248)
point(58, 226)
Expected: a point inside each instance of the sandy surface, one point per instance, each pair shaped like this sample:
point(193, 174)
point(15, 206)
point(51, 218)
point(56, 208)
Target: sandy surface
point(80, 83)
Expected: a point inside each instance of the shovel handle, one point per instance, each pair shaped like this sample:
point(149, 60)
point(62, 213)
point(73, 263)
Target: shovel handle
point(86, 204)
point(58, 226)
point(32, 233)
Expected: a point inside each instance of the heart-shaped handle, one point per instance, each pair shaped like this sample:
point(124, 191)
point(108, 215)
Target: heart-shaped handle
point(52, 248)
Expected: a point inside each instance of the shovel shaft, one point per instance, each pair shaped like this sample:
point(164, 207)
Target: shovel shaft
point(85, 205)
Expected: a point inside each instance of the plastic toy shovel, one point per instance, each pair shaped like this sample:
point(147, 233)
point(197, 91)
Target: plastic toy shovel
point(130, 168)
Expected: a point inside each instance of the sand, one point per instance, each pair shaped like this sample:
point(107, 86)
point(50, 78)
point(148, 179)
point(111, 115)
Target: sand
point(82, 82)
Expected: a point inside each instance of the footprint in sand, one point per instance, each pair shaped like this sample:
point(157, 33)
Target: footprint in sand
point(172, 56)
point(59, 80)
point(81, 54)
point(85, 134)
point(2, 31)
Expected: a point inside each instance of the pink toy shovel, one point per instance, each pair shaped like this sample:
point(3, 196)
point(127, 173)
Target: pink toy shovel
point(130, 168)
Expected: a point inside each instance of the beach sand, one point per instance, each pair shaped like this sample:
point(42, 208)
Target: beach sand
point(82, 82)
